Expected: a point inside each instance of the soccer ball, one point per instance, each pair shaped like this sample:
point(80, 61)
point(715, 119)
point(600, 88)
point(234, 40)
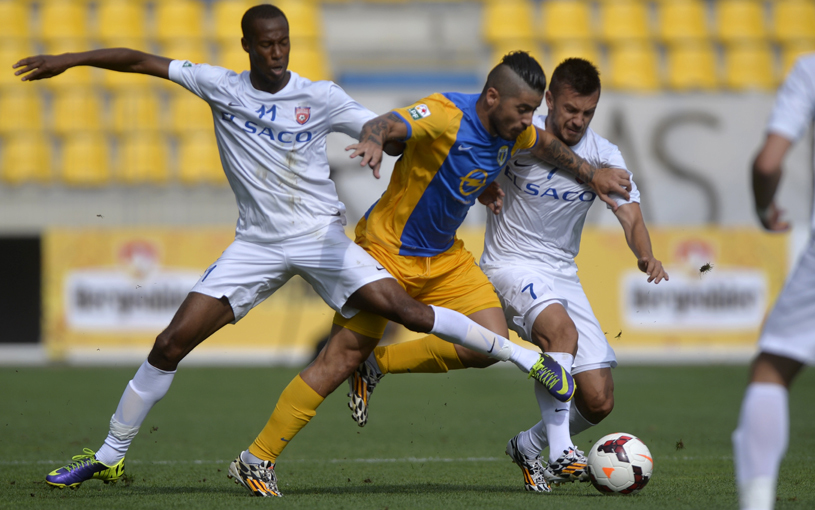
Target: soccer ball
point(620, 463)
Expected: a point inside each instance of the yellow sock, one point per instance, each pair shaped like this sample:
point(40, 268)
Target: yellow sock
point(430, 354)
point(296, 407)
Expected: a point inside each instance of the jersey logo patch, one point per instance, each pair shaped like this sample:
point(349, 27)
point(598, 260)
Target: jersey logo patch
point(502, 155)
point(187, 64)
point(473, 182)
point(420, 111)
point(302, 114)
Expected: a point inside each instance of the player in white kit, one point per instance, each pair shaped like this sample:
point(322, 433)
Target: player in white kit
point(270, 126)
point(529, 251)
point(787, 341)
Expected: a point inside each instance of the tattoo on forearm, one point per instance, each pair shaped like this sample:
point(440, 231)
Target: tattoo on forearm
point(376, 130)
point(558, 154)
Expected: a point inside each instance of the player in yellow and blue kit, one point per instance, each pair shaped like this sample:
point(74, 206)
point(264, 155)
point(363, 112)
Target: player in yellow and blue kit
point(454, 146)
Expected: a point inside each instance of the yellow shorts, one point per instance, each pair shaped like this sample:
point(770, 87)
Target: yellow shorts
point(451, 279)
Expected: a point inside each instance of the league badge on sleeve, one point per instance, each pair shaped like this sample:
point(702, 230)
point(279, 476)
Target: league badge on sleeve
point(302, 114)
point(419, 111)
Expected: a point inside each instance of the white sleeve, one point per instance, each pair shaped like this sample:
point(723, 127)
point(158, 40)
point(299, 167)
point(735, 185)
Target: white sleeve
point(795, 103)
point(200, 79)
point(610, 157)
point(346, 115)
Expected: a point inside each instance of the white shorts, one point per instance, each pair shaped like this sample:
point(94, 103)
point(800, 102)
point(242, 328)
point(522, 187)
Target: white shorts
point(526, 291)
point(790, 328)
point(248, 273)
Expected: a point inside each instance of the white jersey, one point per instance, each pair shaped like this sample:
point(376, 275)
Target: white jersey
point(272, 147)
point(794, 108)
point(545, 207)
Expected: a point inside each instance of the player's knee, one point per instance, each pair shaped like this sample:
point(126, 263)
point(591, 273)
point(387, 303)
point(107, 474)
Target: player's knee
point(168, 351)
point(597, 409)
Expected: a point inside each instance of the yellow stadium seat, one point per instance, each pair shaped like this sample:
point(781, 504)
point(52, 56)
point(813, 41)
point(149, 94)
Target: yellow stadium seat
point(510, 20)
point(85, 160)
point(26, 158)
point(749, 66)
point(21, 109)
point(142, 158)
point(15, 19)
point(565, 20)
point(790, 53)
point(572, 49)
point(309, 61)
point(120, 19)
point(793, 20)
point(198, 159)
point(683, 20)
point(63, 19)
point(136, 110)
point(226, 15)
point(305, 18)
point(634, 67)
point(188, 111)
point(692, 66)
point(232, 56)
point(740, 20)
point(624, 20)
point(179, 19)
point(194, 51)
point(10, 52)
point(75, 110)
point(80, 76)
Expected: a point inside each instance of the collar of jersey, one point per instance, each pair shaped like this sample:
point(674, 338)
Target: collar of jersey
point(292, 76)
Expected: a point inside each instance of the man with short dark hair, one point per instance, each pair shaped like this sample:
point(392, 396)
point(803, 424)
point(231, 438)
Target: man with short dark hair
point(529, 250)
point(454, 146)
point(270, 125)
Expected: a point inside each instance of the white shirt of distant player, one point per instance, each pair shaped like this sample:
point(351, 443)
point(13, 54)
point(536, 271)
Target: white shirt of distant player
point(794, 108)
point(545, 208)
point(272, 147)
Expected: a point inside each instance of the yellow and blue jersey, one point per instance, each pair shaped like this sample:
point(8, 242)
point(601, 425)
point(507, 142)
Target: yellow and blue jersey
point(449, 158)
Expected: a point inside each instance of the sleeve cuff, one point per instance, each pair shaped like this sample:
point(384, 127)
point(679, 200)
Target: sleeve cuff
point(409, 128)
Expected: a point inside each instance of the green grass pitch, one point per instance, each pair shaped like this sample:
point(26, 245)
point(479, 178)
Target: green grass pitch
point(433, 441)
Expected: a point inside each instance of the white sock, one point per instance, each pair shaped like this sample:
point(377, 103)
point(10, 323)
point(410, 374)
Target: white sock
point(147, 387)
point(759, 444)
point(457, 328)
point(533, 441)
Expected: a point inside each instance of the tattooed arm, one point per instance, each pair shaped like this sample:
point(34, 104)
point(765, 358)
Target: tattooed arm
point(603, 180)
point(374, 136)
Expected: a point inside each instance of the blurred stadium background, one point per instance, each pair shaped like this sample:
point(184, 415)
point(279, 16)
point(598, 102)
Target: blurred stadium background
point(113, 202)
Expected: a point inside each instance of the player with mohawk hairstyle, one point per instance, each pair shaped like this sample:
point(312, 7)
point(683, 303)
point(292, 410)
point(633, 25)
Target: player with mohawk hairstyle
point(529, 249)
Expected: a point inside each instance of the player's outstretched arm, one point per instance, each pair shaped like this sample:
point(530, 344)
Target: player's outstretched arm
point(375, 134)
point(636, 234)
point(767, 173)
point(115, 59)
point(603, 180)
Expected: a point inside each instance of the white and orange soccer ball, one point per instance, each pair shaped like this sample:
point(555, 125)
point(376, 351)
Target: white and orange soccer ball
point(620, 463)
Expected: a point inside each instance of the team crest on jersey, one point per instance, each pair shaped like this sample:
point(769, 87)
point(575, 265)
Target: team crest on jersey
point(502, 155)
point(302, 114)
point(419, 111)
